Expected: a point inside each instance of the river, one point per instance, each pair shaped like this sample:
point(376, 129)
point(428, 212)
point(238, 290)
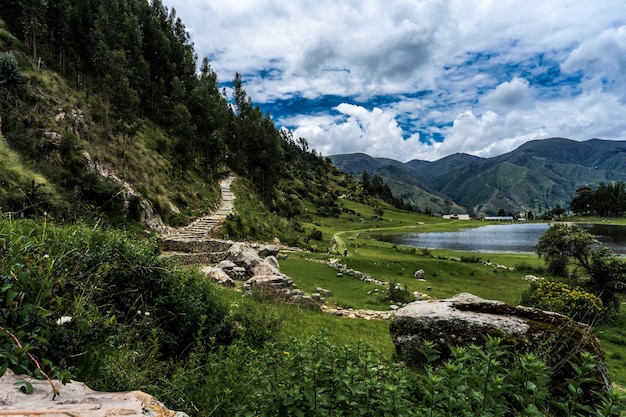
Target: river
point(503, 238)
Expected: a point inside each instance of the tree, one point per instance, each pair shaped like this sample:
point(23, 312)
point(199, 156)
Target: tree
point(9, 69)
point(597, 267)
point(583, 200)
point(366, 182)
point(33, 12)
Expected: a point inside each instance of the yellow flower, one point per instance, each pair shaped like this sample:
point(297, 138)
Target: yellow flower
point(286, 353)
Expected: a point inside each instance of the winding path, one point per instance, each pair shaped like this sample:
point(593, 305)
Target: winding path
point(201, 228)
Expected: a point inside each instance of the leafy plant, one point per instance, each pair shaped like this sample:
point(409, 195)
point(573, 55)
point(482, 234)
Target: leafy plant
point(562, 298)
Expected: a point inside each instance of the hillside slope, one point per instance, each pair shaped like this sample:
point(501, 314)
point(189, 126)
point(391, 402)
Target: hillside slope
point(113, 135)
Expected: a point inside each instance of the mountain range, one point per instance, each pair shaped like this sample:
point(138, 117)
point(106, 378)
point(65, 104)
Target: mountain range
point(535, 177)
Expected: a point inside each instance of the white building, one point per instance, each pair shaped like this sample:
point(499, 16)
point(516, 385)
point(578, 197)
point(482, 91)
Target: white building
point(456, 216)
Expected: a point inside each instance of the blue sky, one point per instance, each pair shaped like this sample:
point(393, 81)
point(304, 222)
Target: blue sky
point(411, 79)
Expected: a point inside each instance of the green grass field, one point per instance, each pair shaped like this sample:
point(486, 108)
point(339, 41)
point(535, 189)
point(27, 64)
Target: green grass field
point(446, 273)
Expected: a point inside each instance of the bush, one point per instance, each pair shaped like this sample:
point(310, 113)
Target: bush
point(316, 234)
point(112, 290)
point(9, 69)
point(565, 299)
point(397, 293)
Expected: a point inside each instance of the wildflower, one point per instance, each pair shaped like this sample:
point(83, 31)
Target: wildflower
point(147, 313)
point(63, 320)
point(286, 353)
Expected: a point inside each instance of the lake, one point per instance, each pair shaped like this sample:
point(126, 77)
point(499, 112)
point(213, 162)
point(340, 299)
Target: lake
point(503, 238)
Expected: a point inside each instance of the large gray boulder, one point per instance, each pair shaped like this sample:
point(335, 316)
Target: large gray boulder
point(465, 319)
point(243, 255)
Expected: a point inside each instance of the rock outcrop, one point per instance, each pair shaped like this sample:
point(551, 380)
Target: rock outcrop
point(465, 319)
point(75, 399)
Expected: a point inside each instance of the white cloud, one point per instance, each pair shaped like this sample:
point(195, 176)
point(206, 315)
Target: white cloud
point(510, 93)
point(487, 75)
point(602, 59)
point(374, 132)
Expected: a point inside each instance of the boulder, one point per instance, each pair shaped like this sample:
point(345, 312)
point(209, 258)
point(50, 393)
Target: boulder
point(268, 250)
point(263, 268)
point(239, 273)
point(272, 260)
point(268, 282)
point(227, 265)
point(243, 255)
point(218, 275)
point(75, 399)
point(419, 274)
point(465, 319)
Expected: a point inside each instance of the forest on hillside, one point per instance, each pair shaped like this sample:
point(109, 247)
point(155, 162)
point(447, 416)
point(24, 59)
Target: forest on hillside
point(136, 60)
point(134, 63)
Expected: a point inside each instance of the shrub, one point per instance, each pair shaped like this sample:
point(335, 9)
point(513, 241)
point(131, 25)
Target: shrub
point(471, 259)
point(114, 289)
point(398, 293)
point(316, 234)
point(9, 69)
point(565, 299)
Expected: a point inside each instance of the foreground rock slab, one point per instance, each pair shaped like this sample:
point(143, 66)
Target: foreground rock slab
point(75, 399)
point(465, 319)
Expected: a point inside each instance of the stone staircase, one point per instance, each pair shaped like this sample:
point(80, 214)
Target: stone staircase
point(193, 243)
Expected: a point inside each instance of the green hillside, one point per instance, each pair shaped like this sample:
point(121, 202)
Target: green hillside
point(124, 131)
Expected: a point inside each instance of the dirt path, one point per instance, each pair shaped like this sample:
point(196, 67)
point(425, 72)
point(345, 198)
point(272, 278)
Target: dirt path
point(201, 228)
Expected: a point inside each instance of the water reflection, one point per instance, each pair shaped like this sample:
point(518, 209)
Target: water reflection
point(517, 238)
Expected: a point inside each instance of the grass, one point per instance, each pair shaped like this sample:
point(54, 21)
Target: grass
point(347, 291)
point(447, 273)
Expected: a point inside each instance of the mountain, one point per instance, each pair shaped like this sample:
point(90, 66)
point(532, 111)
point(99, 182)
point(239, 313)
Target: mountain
point(536, 176)
point(407, 181)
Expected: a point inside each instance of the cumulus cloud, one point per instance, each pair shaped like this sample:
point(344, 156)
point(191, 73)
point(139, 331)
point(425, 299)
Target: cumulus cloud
point(510, 93)
point(355, 129)
point(602, 59)
point(423, 78)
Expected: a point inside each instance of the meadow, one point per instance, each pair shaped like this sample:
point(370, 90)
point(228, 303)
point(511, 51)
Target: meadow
point(496, 276)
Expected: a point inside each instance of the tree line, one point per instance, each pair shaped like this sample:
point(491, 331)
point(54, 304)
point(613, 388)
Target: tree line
point(607, 200)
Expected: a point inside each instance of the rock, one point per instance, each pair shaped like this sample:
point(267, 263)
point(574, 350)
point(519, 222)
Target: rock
point(239, 273)
point(219, 275)
point(227, 265)
point(263, 268)
point(242, 255)
point(324, 292)
point(75, 399)
point(465, 319)
point(272, 260)
point(419, 274)
point(269, 281)
point(269, 250)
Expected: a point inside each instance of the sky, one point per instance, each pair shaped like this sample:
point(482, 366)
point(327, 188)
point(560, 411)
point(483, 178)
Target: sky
point(422, 79)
